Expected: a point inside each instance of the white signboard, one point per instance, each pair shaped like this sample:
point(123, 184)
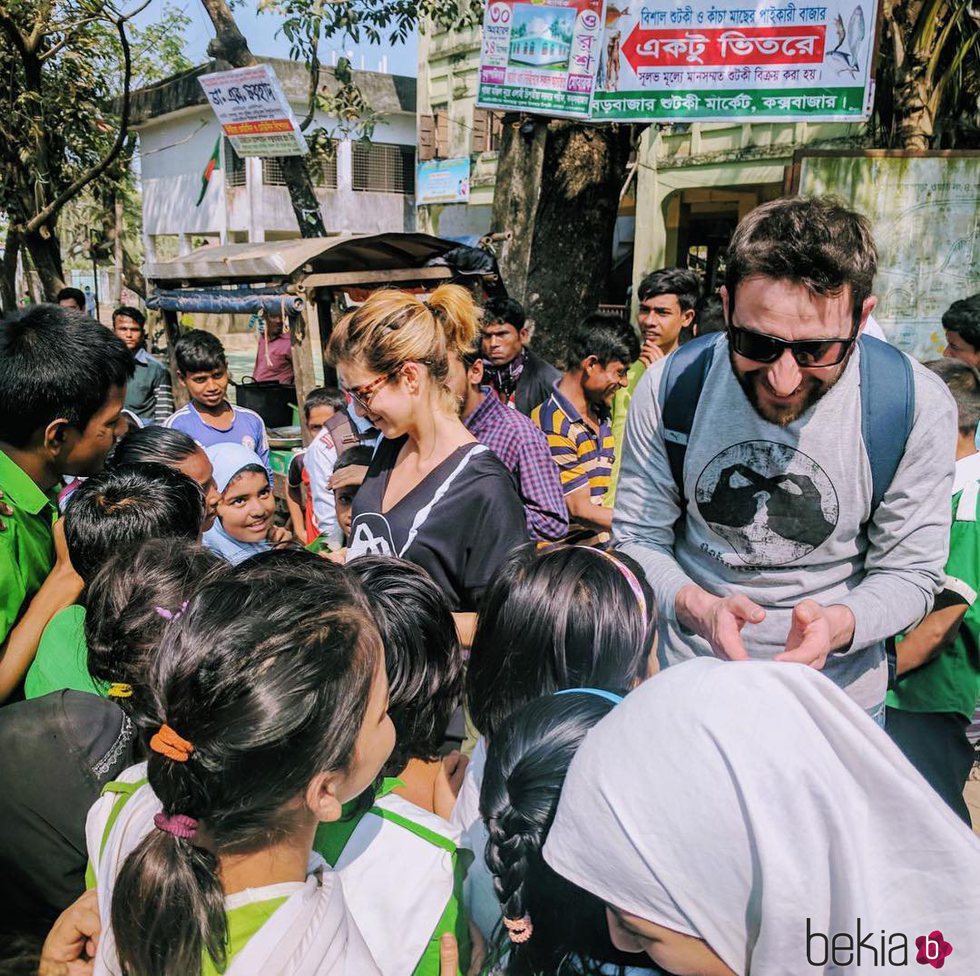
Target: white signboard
point(252, 109)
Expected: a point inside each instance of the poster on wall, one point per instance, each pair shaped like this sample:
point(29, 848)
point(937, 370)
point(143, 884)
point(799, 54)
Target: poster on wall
point(923, 211)
point(736, 61)
point(443, 181)
point(254, 114)
point(540, 57)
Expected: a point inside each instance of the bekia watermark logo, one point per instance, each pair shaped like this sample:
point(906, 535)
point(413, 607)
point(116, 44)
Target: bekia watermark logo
point(870, 948)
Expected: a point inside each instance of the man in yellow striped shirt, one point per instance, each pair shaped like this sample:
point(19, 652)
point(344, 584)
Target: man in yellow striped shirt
point(575, 419)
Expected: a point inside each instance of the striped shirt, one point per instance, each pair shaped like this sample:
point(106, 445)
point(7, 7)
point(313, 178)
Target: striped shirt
point(584, 456)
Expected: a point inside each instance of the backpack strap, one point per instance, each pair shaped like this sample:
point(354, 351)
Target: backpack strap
point(687, 368)
point(343, 431)
point(887, 411)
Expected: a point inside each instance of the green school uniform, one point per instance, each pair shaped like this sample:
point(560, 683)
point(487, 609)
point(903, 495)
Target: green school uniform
point(331, 839)
point(62, 657)
point(950, 682)
point(243, 920)
point(617, 420)
point(26, 544)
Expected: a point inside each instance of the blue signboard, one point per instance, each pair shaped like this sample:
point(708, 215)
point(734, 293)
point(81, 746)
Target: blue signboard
point(443, 181)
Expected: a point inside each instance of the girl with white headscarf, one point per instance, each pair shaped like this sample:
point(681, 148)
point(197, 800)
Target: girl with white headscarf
point(736, 817)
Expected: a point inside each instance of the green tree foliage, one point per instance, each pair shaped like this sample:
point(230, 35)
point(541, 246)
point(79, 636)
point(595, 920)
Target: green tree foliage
point(68, 67)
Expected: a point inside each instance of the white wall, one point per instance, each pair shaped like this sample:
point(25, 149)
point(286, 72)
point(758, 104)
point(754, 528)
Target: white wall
point(175, 151)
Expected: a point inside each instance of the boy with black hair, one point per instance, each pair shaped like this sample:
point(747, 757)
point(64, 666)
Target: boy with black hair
point(115, 510)
point(961, 322)
point(937, 684)
point(320, 405)
point(148, 395)
point(520, 378)
point(72, 298)
point(62, 386)
point(209, 418)
point(575, 419)
point(667, 301)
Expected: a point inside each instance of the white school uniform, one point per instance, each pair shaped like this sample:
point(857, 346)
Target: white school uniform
point(310, 934)
point(397, 870)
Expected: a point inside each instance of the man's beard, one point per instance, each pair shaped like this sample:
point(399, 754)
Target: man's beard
point(813, 390)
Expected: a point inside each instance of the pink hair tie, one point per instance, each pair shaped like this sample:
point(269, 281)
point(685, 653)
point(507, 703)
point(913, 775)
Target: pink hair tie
point(171, 614)
point(519, 929)
point(178, 825)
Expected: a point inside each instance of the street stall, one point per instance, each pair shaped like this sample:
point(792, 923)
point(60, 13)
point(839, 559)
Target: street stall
point(309, 283)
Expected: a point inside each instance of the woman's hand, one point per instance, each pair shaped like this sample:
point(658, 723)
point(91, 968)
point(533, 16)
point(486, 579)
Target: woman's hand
point(69, 949)
point(339, 557)
point(6, 511)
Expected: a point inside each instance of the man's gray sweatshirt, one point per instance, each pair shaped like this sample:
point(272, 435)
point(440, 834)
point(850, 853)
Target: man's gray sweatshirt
point(782, 514)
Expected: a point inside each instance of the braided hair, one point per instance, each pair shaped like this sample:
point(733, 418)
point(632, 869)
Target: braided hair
point(526, 765)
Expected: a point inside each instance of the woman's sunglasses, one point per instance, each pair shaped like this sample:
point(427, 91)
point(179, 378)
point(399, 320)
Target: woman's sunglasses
point(810, 353)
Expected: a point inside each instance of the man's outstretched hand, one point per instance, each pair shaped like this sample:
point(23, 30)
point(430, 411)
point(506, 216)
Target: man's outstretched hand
point(815, 631)
point(719, 620)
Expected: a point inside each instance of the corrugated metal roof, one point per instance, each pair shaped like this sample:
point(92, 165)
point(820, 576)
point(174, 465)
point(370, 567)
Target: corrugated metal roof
point(276, 260)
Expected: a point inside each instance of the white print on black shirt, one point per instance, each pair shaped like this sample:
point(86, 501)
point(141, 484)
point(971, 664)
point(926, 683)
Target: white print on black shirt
point(370, 536)
point(770, 502)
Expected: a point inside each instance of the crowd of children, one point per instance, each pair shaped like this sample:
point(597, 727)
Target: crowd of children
point(434, 747)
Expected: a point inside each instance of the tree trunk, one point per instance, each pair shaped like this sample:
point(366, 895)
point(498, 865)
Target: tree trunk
point(8, 277)
point(45, 251)
point(557, 194)
point(229, 45)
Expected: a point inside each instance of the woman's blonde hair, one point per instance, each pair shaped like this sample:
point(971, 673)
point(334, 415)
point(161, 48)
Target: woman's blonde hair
point(394, 327)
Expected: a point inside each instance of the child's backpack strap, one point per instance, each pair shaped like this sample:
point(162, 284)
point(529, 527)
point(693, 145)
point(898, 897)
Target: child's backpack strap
point(683, 379)
point(887, 411)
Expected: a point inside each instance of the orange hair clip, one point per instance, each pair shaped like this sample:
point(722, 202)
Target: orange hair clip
point(168, 743)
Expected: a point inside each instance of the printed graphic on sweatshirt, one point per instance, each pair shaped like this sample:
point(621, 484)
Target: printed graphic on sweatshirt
point(770, 502)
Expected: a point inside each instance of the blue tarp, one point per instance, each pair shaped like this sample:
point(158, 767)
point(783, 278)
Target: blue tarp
point(228, 301)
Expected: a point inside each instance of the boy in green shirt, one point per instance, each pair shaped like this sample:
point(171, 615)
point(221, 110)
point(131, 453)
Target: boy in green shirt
point(62, 385)
point(938, 663)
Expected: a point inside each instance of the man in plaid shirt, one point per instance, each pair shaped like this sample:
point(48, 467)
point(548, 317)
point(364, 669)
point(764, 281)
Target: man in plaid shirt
point(521, 447)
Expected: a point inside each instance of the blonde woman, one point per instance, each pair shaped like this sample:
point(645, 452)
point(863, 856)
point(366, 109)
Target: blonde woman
point(432, 494)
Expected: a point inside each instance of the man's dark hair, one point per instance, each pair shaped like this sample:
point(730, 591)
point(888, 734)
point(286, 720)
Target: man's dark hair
point(55, 363)
point(75, 295)
point(198, 351)
point(964, 383)
point(606, 336)
point(817, 242)
point(131, 313)
point(963, 317)
point(681, 282)
point(506, 311)
point(324, 396)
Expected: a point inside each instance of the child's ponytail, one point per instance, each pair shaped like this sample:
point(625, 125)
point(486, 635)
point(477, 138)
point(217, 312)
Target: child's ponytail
point(249, 698)
point(168, 908)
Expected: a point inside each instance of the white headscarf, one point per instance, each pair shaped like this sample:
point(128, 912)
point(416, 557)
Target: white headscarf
point(227, 460)
point(734, 801)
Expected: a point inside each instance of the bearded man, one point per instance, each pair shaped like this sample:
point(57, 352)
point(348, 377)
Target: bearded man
point(766, 526)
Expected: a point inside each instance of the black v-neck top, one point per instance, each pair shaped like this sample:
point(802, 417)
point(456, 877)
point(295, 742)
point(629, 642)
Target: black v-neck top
point(458, 523)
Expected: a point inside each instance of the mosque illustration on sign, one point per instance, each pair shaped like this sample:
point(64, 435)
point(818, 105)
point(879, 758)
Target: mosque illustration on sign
point(541, 36)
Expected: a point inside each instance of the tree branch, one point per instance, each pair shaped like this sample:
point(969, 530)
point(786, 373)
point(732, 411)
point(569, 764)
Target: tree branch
point(69, 32)
point(12, 31)
point(46, 213)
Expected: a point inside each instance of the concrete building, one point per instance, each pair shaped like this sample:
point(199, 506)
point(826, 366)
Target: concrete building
point(691, 183)
point(364, 188)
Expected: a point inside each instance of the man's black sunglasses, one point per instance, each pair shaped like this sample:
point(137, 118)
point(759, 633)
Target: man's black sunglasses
point(762, 348)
